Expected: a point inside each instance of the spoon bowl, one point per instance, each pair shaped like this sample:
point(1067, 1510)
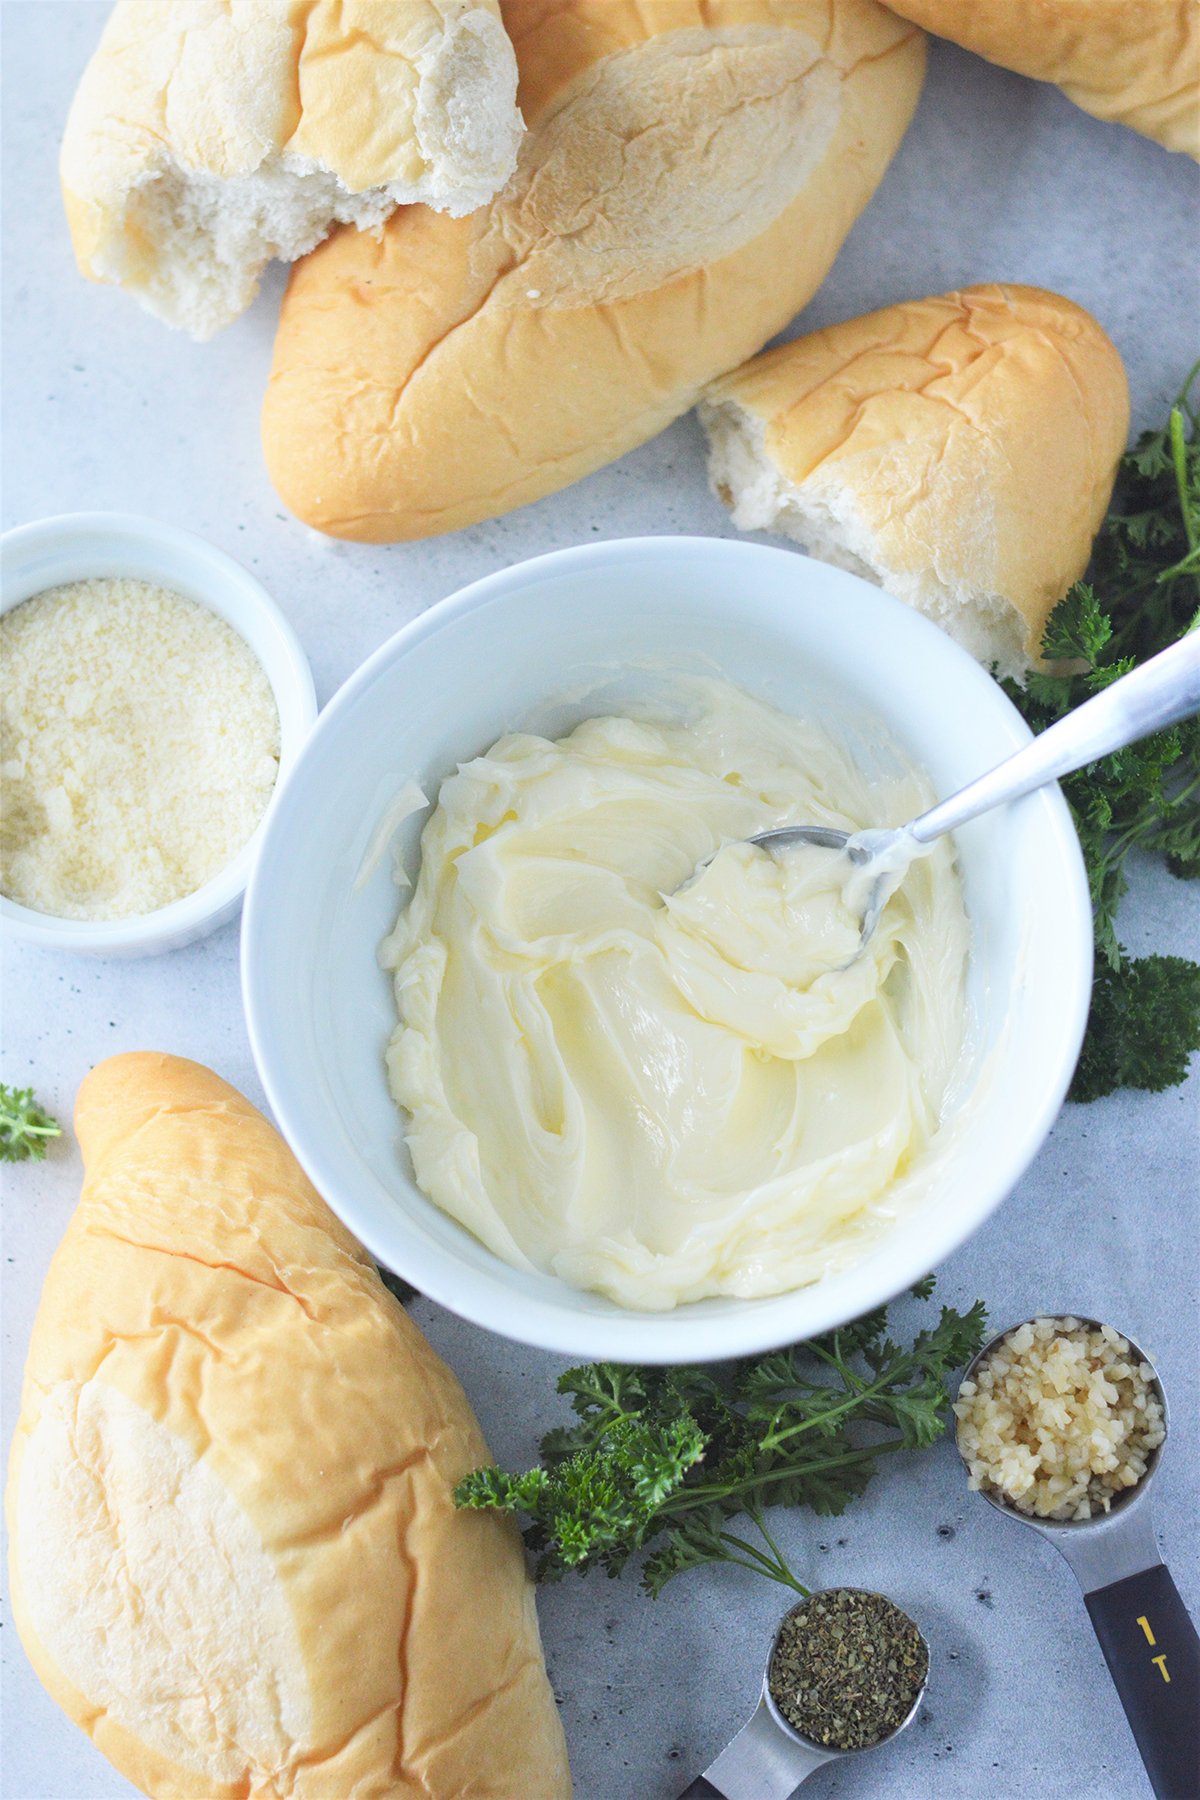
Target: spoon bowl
point(1121, 1502)
point(769, 1758)
point(1149, 698)
point(881, 855)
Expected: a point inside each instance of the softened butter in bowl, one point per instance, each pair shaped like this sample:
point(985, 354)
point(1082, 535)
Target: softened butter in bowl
point(139, 747)
point(539, 648)
point(641, 1054)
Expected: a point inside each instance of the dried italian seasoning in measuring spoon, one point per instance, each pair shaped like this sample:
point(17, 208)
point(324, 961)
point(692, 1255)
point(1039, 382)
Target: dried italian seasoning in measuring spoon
point(847, 1668)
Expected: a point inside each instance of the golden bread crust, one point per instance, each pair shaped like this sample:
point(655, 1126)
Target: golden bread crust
point(688, 175)
point(1135, 62)
point(236, 1558)
point(207, 136)
point(972, 438)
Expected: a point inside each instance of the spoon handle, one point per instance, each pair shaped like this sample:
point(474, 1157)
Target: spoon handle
point(1153, 1656)
point(1148, 699)
point(763, 1762)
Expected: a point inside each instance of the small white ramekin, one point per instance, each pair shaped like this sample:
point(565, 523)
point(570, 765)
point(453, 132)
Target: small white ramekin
point(76, 546)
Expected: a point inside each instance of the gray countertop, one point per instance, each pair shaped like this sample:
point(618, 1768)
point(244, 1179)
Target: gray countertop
point(104, 408)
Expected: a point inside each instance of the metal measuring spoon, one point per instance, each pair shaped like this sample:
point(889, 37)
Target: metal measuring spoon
point(1148, 699)
point(768, 1759)
point(1148, 1639)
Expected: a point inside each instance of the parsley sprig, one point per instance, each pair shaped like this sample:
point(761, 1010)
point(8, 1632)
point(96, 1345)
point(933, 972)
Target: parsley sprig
point(1141, 594)
point(667, 1461)
point(25, 1127)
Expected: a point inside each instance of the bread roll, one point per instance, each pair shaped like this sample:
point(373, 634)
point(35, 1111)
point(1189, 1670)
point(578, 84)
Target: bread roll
point(690, 170)
point(1134, 61)
point(235, 1556)
point(208, 136)
point(959, 451)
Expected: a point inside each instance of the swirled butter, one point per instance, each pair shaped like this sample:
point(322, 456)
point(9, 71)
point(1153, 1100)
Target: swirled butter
point(653, 1082)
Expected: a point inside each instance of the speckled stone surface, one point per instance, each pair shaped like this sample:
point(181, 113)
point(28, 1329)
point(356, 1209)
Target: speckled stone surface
point(104, 408)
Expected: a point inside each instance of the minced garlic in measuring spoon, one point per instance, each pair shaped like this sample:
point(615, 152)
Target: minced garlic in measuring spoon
point(139, 746)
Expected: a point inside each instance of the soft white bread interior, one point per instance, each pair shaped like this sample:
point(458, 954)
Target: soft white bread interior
point(690, 170)
point(1136, 62)
point(236, 1560)
point(959, 451)
point(208, 136)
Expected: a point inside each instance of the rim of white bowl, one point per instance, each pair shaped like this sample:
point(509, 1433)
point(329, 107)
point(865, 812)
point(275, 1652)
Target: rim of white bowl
point(703, 1331)
point(189, 564)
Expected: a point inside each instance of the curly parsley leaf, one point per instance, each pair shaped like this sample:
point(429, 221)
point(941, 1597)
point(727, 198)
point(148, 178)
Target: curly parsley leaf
point(1144, 1024)
point(25, 1127)
point(1141, 594)
point(1077, 630)
point(666, 1461)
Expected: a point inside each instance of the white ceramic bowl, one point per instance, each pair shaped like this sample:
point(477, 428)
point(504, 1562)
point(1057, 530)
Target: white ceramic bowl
point(502, 654)
point(75, 546)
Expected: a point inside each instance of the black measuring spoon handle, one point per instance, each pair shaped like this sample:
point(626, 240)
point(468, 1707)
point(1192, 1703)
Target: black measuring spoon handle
point(1153, 1655)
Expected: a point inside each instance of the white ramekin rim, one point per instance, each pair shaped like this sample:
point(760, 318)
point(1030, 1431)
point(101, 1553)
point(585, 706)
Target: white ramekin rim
point(72, 546)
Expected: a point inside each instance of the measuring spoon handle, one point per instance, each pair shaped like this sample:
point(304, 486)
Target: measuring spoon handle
point(763, 1762)
point(1153, 1656)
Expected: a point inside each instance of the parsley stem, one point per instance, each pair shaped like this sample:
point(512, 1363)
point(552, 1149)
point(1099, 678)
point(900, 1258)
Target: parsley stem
point(1179, 460)
point(754, 1513)
point(761, 1564)
point(835, 1361)
point(1188, 564)
point(862, 1391)
point(686, 1497)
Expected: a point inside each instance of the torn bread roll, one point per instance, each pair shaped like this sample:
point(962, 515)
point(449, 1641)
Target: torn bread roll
point(1136, 62)
point(958, 451)
point(236, 1560)
point(208, 136)
point(690, 170)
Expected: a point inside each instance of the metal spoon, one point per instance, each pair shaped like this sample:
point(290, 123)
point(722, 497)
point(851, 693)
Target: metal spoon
point(1148, 1640)
point(1151, 697)
point(768, 1759)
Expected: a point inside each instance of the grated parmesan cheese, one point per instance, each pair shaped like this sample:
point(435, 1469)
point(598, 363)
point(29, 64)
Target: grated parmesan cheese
point(139, 745)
